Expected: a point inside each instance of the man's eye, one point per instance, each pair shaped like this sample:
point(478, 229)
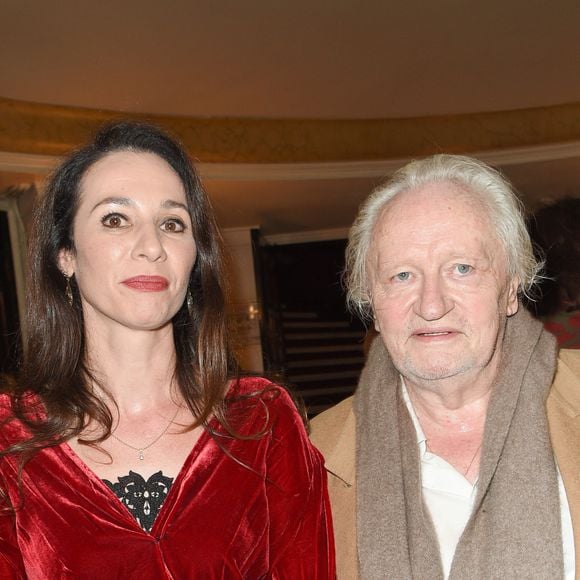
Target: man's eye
point(403, 276)
point(173, 226)
point(113, 220)
point(463, 268)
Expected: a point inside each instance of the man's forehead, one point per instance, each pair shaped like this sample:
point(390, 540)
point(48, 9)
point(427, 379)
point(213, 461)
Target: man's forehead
point(434, 199)
point(441, 218)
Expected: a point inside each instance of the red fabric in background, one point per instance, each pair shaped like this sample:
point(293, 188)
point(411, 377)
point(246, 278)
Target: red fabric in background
point(565, 326)
point(269, 518)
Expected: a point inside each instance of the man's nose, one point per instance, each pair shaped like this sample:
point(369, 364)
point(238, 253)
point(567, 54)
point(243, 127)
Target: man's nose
point(433, 302)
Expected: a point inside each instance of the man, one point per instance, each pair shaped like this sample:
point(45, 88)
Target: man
point(448, 462)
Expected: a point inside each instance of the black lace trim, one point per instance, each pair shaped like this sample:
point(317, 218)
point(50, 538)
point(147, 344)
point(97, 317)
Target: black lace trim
point(142, 498)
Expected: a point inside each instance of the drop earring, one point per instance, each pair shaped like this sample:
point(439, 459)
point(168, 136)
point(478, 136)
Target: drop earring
point(189, 301)
point(68, 291)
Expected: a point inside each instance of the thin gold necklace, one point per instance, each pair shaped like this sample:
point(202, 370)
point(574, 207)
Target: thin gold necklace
point(141, 450)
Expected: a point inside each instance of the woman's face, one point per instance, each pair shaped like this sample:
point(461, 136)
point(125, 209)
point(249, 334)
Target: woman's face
point(133, 243)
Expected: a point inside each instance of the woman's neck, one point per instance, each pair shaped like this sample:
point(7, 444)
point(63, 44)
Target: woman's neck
point(134, 367)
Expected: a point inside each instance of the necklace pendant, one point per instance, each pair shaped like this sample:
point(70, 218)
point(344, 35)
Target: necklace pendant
point(141, 450)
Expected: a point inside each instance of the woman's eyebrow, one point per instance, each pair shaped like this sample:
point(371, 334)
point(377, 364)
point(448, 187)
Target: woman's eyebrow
point(125, 201)
point(116, 200)
point(172, 204)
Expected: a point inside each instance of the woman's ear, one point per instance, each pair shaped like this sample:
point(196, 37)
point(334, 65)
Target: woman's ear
point(66, 262)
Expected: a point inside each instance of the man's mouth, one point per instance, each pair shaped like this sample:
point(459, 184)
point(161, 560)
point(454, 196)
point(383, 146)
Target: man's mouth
point(433, 333)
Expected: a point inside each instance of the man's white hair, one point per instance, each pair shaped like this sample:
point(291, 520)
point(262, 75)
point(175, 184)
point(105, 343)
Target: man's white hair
point(473, 176)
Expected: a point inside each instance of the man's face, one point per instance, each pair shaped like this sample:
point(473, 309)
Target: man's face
point(439, 287)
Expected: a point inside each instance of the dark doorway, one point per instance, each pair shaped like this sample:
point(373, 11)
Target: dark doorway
point(310, 338)
point(9, 320)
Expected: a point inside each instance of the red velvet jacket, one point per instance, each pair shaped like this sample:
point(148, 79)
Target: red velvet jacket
point(247, 509)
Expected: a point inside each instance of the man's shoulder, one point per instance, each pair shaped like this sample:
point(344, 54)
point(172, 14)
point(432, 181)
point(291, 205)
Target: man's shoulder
point(571, 359)
point(326, 427)
point(565, 390)
point(334, 434)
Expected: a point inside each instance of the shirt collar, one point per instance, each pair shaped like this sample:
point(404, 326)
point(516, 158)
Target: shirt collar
point(421, 439)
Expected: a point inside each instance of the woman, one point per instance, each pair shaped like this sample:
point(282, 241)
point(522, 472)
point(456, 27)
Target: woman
point(127, 450)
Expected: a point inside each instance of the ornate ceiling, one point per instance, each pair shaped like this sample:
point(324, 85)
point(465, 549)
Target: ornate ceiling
point(296, 110)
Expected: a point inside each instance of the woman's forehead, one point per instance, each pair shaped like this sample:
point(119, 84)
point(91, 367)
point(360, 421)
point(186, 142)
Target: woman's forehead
point(129, 173)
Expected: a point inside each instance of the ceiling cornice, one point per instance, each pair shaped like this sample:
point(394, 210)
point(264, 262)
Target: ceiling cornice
point(41, 129)
point(32, 163)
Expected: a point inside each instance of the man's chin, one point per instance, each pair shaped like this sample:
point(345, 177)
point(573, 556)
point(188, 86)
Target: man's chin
point(433, 372)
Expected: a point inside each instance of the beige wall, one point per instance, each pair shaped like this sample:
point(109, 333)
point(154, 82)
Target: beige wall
point(243, 298)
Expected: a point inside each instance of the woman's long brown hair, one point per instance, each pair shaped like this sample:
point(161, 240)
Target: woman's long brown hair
point(55, 367)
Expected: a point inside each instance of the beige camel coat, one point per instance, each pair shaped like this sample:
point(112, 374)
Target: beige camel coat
point(334, 432)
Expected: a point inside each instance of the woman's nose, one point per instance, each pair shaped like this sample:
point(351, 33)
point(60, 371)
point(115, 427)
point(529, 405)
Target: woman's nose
point(149, 244)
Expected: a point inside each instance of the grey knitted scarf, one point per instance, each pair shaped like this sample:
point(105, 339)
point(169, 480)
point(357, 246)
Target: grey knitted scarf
point(515, 529)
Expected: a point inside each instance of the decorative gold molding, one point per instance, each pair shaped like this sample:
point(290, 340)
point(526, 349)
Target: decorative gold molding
point(54, 130)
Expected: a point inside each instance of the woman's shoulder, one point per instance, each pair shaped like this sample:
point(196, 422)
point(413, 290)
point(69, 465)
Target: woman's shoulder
point(260, 397)
point(10, 427)
point(28, 404)
point(271, 393)
point(5, 406)
point(249, 387)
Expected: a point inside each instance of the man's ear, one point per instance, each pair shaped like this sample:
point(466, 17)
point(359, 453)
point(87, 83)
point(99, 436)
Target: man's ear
point(376, 323)
point(66, 262)
point(512, 297)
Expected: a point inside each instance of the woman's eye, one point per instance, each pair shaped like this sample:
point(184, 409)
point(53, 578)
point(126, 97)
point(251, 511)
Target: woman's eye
point(113, 220)
point(463, 268)
point(173, 226)
point(403, 276)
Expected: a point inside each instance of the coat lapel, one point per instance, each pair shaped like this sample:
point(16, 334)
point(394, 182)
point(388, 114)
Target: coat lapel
point(564, 419)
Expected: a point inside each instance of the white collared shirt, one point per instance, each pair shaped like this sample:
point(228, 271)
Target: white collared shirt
point(449, 497)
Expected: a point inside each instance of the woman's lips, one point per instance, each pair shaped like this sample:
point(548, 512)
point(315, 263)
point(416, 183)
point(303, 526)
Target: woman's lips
point(147, 283)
